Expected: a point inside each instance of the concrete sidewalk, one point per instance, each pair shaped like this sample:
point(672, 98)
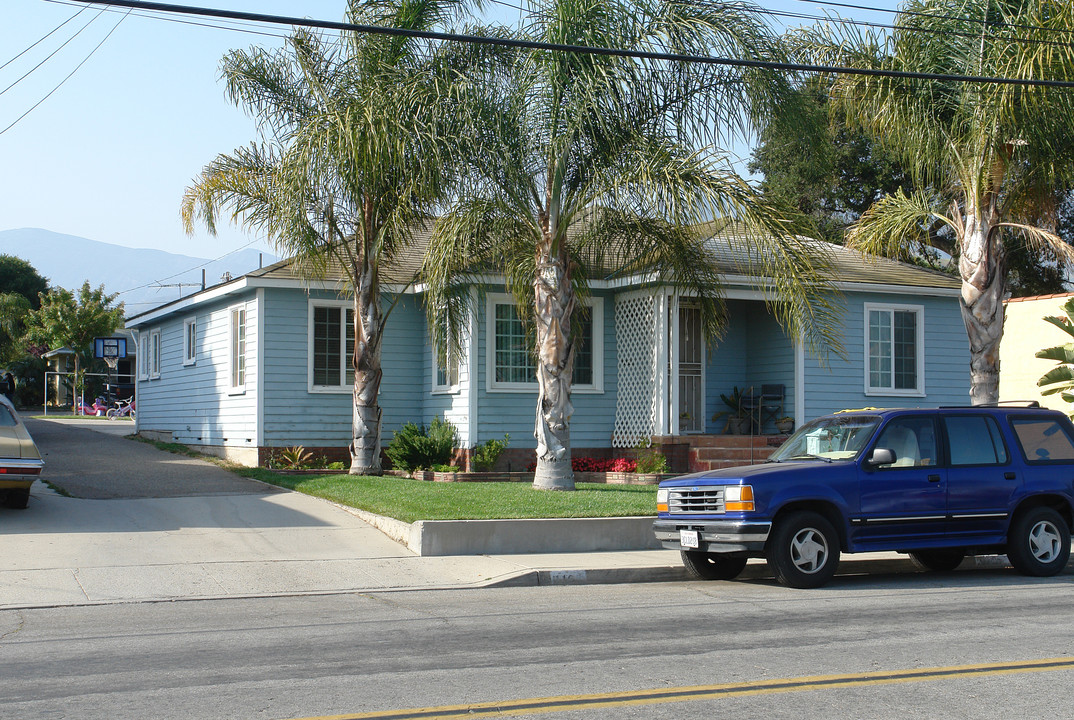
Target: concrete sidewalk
point(152, 526)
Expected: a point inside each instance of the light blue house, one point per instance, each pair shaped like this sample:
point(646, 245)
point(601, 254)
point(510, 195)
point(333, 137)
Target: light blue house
point(262, 361)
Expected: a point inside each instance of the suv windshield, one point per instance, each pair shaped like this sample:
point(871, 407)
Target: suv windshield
point(839, 437)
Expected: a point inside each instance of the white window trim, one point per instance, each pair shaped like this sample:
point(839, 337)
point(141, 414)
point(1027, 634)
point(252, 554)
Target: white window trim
point(190, 349)
point(153, 365)
point(143, 355)
point(345, 387)
point(452, 388)
point(919, 348)
point(235, 389)
point(596, 309)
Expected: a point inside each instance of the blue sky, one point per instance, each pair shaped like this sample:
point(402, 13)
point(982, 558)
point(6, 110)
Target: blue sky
point(108, 155)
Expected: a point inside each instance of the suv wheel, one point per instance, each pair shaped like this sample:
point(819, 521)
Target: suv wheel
point(938, 560)
point(712, 566)
point(803, 550)
point(1038, 542)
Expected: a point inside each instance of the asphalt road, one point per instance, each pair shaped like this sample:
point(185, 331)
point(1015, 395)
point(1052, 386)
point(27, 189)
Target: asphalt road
point(973, 644)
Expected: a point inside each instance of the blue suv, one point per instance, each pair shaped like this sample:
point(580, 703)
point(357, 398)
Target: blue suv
point(937, 484)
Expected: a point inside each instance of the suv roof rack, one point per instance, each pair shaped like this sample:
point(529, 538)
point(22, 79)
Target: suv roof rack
point(1001, 403)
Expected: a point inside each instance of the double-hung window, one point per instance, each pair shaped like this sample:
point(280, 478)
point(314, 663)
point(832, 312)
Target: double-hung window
point(331, 345)
point(510, 362)
point(154, 354)
point(190, 341)
point(894, 349)
point(237, 349)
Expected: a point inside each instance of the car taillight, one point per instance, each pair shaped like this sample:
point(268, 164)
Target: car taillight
point(20, 471)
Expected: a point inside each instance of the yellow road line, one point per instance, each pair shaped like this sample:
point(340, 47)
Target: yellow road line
point(531, 706)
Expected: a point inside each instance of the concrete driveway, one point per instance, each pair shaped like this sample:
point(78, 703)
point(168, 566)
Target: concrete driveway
point(150, 525)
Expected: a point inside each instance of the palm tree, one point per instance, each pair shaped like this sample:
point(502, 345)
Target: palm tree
point(990, 156)
point(1060, 379)
point(353, 156)
point(588, 166)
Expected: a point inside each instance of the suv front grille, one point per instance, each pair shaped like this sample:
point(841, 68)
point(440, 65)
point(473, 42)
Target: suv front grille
point(690, 501)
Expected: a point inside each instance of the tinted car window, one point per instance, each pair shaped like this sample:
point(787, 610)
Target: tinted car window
point(1043, 440)
point(6, 418)
point(912, 439)
point(975, 440)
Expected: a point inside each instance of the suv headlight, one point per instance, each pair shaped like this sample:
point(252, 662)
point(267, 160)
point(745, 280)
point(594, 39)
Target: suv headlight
point(738, 498)
point(662, 500)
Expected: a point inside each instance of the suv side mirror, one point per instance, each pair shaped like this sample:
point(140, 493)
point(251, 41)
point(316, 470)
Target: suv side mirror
point(881, 456)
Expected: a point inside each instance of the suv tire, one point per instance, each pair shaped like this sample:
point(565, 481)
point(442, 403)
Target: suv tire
point(1038, 542)
point(803, 550)
point(938, 560)
point(712, 566)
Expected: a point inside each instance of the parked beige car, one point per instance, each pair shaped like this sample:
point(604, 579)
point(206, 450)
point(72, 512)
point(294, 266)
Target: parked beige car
point(20, 462)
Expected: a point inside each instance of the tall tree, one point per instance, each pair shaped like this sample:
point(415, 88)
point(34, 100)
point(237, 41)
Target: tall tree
point(20, 277)
point(990, 154)
point(819, 166)
point(354, 152)
point(590, 165)
point(74, 319)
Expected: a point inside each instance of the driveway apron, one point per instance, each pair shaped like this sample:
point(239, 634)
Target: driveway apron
point(102, 466)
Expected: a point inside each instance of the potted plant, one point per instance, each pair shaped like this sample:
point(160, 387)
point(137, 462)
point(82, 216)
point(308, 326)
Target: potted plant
point(785, 425)
point(738, 416)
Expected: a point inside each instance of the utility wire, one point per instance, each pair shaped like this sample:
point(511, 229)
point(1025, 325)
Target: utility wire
point(46, 37)
point(53, 53)
point(94, 50)
point(241, 27)
point(557, 47)
point(207, 263)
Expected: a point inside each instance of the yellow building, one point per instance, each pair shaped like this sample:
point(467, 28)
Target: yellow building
point(1024, 333)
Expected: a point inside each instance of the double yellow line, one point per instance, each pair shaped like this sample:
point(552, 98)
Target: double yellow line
point(562, 703)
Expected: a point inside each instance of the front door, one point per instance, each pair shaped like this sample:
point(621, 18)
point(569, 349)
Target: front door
point(691, 370)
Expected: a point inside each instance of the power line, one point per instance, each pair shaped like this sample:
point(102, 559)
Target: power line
point(45, 37)
point(241, 27)
point(207, 263)
point(557, 47)
point(53, 53)
point(69, 75)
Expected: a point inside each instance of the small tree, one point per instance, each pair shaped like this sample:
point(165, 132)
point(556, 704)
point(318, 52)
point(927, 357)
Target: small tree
point(67, 319)
point(1060, 379)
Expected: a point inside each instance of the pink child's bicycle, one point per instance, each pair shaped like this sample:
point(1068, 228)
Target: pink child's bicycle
point(124, 408)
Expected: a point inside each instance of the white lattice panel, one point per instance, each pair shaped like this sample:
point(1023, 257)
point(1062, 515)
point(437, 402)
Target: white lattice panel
point(635, 337)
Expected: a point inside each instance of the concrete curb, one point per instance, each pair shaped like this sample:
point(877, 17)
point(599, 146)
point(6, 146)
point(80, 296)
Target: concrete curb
point(512, 537)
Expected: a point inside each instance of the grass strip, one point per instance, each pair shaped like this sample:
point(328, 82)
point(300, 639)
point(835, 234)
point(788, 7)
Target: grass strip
point(409, 500)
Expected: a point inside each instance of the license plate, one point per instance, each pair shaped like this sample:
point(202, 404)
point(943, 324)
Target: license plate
point(689, 538)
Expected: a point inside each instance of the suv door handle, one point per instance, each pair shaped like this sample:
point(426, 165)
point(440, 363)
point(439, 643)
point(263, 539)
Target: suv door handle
point(934, 478)
point(1009, 475)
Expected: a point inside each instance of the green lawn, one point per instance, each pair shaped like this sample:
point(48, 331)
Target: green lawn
point(409, 500)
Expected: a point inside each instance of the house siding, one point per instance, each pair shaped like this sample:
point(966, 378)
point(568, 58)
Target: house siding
point(514, 412)
point(296, 416)
point(839, 383)
point(194, 404)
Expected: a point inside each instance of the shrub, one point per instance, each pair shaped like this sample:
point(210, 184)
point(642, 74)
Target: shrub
point(292, 458)
point(650, 461)
point(415, 447)
point(487, 453)
point(588, 464)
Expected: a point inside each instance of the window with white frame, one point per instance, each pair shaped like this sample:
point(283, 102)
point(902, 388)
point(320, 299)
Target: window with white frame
point(446, 374)
point(143, 356)
point(894, 349)
point(154, 354)
point(331, 346)
point(237, 352)
point(190, 341)
point(510, 356)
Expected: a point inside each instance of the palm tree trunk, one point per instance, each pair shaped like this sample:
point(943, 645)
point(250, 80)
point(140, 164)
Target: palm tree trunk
point(368, 333)
point(984, 286)
point(555, 299)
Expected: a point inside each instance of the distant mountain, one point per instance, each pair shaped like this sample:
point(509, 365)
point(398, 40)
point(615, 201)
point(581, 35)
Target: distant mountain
point(146, 278)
